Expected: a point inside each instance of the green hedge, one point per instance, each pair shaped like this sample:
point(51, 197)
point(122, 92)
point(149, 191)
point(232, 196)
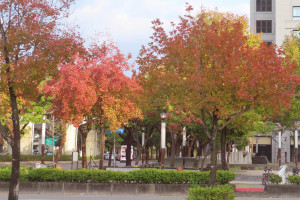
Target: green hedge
point(7, 157)
point(105, 176)
point(135, 176)
point(5, 173)
point(294, 179)
point(275, 178)
point(220, 192)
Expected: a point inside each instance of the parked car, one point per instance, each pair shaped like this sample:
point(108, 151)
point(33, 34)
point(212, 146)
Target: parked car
point(35, 151)
point(106, 156)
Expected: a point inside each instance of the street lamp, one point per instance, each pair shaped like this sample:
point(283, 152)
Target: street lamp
point(163, 116)
point(279, 127)
point(143, 144)
point(183, 146)
point(296, 144)
point(43, 139)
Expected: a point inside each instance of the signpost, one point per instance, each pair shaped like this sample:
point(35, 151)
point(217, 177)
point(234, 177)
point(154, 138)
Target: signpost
point(121, 131)
point(49, 141)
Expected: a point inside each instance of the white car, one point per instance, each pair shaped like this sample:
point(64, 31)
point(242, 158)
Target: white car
point(106, 156)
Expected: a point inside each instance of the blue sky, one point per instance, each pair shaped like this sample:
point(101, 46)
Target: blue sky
point(128, 22)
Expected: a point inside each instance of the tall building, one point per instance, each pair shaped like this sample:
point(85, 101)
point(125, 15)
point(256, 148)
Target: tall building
point(274, 19)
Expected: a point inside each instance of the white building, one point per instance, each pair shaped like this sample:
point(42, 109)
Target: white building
point(274, 19)
point(31, 141)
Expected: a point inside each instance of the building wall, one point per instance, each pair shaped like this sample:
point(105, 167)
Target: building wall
point(92, 144)
point(26, 140)
point(260, 140)
point(281, 16)
point(71, 140)
point(268, 37)
point(284, 19)
point(285, 147)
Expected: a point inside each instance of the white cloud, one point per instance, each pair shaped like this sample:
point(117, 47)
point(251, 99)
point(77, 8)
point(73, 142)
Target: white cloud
point(129, 21)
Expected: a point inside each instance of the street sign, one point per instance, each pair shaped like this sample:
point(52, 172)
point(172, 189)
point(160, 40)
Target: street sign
point(49, 141)
point(119, 130)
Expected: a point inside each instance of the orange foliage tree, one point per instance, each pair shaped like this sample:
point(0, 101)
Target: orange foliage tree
point(214, 68)
point(93, 88)
point(31, 45)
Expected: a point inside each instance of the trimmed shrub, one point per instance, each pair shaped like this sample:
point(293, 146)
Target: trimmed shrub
point(5, 157)
point(294, 179)
point(224, 176)
point(275, 178)
point(46, 175)
point(5, 173)
point(221, 192)
point(103, 176)
point(80, 175)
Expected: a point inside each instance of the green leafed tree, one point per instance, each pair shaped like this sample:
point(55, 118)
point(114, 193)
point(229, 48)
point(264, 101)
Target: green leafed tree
point(212, 67)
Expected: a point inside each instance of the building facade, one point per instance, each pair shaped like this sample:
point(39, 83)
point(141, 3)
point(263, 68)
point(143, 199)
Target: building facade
point(31, 141)
point(274, 19)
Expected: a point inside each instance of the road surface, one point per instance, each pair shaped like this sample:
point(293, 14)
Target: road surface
point(103, 197)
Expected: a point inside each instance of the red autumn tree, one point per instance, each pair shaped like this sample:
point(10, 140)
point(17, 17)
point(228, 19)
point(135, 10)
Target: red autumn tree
point(94, 88)
point(31, 45)
point(212, 67)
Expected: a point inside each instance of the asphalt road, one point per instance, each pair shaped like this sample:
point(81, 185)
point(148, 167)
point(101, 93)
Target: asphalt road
point(91, 197)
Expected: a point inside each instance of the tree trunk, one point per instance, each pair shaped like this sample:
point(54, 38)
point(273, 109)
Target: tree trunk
point(110, 153)
point(214, 151)
point(189, 149)
point(173, 149)
point(84, 159)
point(138, 156)
point(228, 155)
point(151, 149)
point(213, 161)
point(63, 140)
point(223, 149)
point(147, 153)
point(128, 149)
point(15, 170)
point(102, 145)
point(157, 155)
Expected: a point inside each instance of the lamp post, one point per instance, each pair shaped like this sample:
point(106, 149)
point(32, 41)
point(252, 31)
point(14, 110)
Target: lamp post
point(163, 116)
point(115, 148)
point(143, 145)
point(53, 141)
point(279, 127)
point(183, 146)
point(296, 144)
point(43, 139)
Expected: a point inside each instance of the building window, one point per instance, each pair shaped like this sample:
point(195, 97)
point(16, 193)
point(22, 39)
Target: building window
point(263, 5)
point(296, 13)
point(268, 43)
point(264, 26)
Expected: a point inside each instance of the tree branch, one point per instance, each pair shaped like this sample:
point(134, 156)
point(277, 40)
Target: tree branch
point(203, 117)
point(5, 135)
point(233, 117)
